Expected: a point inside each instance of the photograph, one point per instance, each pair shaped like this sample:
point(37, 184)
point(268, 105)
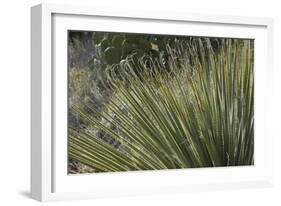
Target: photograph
point(140, 101)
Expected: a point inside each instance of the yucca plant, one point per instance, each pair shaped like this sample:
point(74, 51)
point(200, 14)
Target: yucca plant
point(200, 113)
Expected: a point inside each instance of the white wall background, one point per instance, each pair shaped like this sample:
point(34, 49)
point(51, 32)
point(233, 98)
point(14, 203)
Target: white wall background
point(15, 101)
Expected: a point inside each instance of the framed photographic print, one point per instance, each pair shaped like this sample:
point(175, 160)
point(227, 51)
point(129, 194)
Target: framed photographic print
point(137, 102)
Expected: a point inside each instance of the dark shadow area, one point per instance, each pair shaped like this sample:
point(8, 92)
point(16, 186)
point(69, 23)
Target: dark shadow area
point(25, 193)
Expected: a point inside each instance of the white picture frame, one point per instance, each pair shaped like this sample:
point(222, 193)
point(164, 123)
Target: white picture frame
point(49, 179)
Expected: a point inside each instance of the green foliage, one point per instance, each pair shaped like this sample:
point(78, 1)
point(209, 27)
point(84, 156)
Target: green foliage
point(112, 55)
point(197, 114)
point(123, 45)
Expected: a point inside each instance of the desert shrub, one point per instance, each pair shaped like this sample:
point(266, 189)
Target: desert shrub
point(197, 113)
